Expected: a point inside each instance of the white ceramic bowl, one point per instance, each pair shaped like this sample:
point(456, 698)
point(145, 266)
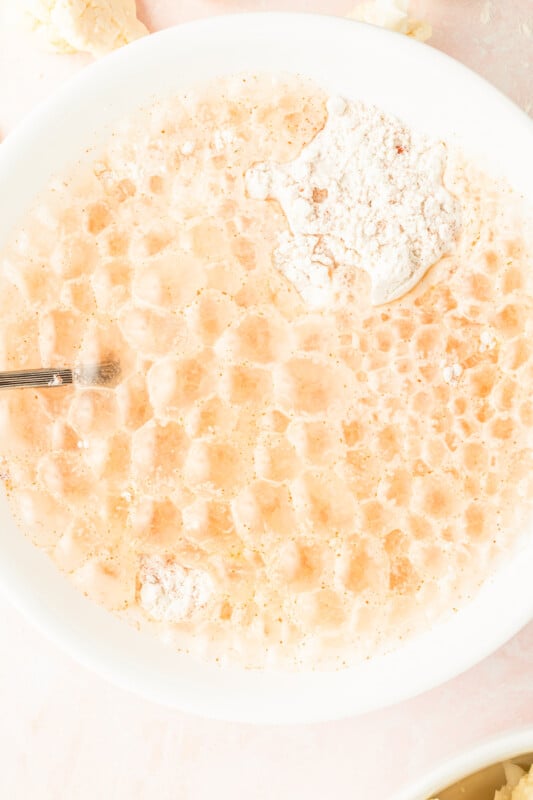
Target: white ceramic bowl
point(476, 774)
point(426, 89)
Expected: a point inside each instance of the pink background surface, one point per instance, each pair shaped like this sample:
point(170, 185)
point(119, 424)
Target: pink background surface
point(65, 733)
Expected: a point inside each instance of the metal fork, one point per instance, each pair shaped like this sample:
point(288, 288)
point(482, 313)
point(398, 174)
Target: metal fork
point(106, 373)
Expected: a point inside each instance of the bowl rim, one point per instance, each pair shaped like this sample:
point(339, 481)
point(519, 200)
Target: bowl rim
point(486, 753)
point(241, 695)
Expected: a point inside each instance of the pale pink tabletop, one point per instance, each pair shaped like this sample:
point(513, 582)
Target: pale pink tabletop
point(64, 733)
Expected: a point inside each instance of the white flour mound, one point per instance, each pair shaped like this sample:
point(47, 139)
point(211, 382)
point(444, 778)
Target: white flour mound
point(366, 192)
point(170, 592)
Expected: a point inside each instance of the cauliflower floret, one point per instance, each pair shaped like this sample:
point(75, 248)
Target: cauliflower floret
point(88, 26)
point(391, 14)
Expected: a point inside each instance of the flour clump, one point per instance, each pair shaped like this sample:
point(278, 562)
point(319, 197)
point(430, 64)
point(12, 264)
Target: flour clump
point(171, 592)
point(366, 193)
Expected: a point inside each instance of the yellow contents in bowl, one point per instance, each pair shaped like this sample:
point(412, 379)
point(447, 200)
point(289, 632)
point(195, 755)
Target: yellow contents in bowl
point(519, 784)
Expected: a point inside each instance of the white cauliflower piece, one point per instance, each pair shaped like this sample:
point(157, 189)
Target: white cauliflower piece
point(393, 15)
point(87, 26)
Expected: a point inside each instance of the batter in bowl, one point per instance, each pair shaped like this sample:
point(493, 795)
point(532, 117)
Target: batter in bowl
point(274, 481)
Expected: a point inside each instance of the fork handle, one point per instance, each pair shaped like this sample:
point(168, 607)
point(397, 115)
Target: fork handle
point(35, 378)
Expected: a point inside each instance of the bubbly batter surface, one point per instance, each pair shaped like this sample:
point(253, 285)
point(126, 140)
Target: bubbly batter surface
point(267, 483)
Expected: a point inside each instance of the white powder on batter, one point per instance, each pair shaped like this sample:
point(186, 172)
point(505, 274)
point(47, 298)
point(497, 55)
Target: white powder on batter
point(452, 373)
point(366, 192)
point(487, 341)
point(171, 593)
